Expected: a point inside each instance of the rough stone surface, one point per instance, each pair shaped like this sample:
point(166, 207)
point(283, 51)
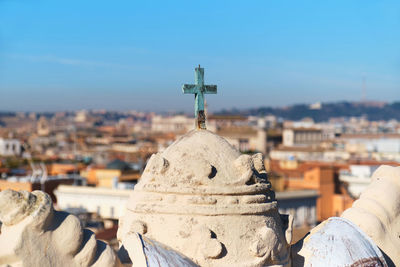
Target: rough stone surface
point(377, 212)
point(337, 242)
point(204, 199)
point(149, 253)
point(33, 234)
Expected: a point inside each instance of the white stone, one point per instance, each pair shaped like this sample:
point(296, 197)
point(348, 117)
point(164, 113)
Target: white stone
point(204, 199)
point(377, 211)
point(336, 243)
point(33, 234)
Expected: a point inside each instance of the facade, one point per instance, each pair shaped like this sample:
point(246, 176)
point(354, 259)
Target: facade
point(245, 138)
point(43, 128)
point(215, 122)
point(302, 136)
point(357, 178)
point(108, 203)
point(115, 172)
point(171, 124)
point(10, 147)
point(308, 154)
point(375, 146)
point(301, 204)
point(297, 153)
point(333, 198)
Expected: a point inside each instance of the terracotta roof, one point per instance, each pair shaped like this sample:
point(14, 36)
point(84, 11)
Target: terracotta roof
point(302, 167)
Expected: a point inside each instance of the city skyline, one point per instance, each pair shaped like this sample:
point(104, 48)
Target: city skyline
point(92, 55)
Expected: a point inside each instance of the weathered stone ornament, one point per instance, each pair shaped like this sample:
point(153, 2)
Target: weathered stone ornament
point(33, 234)
point(212, 204)
point(337, 242)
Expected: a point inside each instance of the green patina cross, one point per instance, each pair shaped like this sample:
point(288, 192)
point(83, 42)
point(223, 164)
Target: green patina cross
point(199, 89)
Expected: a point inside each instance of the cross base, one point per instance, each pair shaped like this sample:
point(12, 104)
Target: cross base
point(201, 120)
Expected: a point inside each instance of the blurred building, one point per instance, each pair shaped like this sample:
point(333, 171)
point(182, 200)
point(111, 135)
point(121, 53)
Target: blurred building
point(322, 177)
point(245, 138)
point(171, 124)
point(81, 116)
point(309, 154)
point(10, 147)
point(301, 204)
point(63, 168)
point(29, 184)
point(373, 146)
point(43, 127)
point(302, 136)
point(215, 122)
point(108, 203)
point(110, 175)
point(357, 178)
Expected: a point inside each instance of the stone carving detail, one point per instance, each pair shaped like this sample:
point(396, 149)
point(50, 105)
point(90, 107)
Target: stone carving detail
point(337, 242)
point(222, 204)
point(158, 164)
point(209, 247)
point(264, 241)
point(33, 234)
point(244, 166)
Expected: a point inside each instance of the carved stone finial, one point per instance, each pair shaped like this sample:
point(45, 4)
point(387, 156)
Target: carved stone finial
point(219, 205)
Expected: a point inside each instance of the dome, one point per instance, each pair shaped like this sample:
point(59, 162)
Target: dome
point(203, 168)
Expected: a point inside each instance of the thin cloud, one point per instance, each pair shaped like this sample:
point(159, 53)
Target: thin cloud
point(69, 61)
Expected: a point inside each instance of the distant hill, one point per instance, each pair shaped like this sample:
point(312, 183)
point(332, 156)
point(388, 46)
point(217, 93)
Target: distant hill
point(373, 111)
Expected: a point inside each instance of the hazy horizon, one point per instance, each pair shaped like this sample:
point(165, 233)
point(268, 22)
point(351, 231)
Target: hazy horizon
point(189, 111)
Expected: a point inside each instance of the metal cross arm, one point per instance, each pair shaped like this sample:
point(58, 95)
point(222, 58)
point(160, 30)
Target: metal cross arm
point(199, 89)
point(192, 89)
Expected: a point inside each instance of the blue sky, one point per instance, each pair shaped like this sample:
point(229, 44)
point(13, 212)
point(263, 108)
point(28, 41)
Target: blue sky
point(67, 55)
